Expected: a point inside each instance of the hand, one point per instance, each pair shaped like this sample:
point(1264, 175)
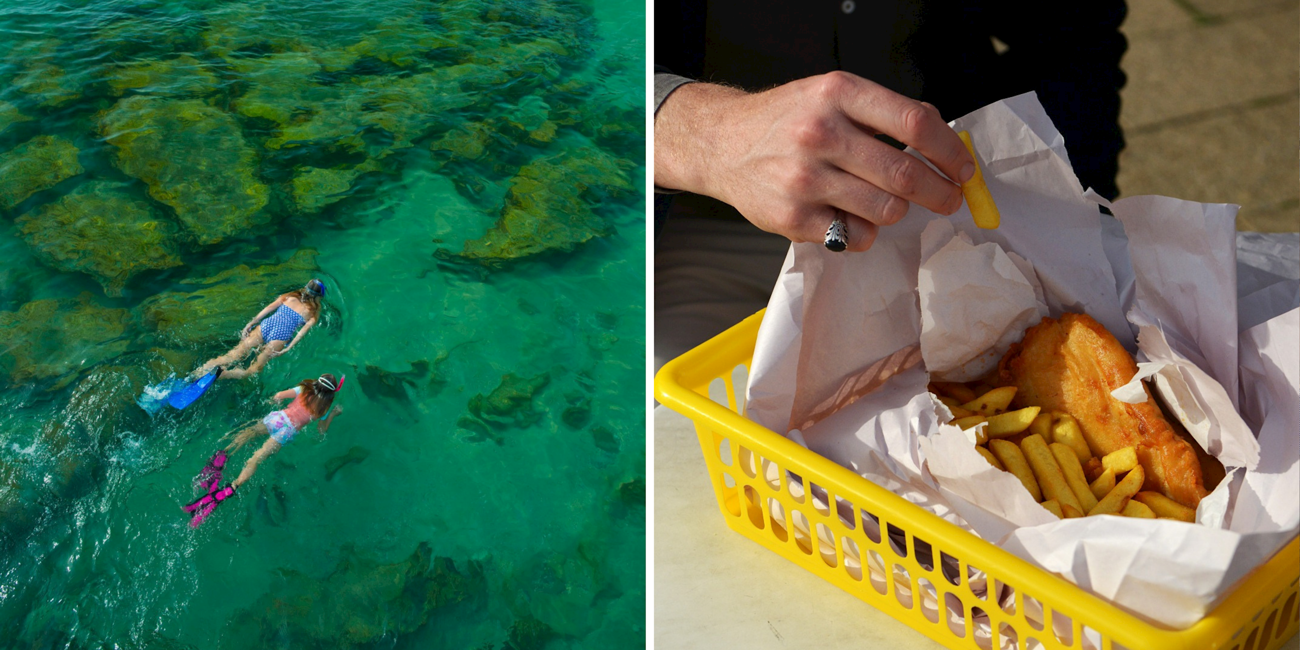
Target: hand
point(276, 353)
point(337, 410)
point(793, 158)
point(247, 328)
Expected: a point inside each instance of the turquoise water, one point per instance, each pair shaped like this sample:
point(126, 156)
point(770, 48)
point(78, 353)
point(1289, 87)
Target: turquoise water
point(467, 179)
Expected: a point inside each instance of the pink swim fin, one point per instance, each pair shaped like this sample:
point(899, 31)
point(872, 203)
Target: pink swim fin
point(210, 477)
point(204, 505)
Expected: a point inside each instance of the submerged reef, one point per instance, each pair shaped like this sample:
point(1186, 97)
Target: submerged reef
point(550, 208)
point(511, 402)
point(35, 165)
point(50, 340)
point(39, 77)
point(357, 605)
point(225, 302)
point(70, 450)
point(10, 115)
point(314, 188)
point(101, 230)
point(182, 76)
point(193, 158)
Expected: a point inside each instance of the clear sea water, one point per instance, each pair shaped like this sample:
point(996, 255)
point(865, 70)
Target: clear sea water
point(536, 498)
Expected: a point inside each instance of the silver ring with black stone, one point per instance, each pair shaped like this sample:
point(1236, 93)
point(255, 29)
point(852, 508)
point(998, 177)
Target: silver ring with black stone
point(837, 235)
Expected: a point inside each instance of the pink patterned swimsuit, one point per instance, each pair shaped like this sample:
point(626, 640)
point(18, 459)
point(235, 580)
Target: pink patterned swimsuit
point(283, 424)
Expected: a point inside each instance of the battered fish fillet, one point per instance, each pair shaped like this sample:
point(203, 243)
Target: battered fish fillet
point(1072, 365)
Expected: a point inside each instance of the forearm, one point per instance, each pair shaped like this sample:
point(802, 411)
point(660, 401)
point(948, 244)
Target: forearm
point(687, 132)
point(297, 337)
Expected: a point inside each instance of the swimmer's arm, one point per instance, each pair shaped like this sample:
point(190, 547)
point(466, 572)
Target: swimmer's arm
point(284, 395)
point(325, 424)
point(301, 333)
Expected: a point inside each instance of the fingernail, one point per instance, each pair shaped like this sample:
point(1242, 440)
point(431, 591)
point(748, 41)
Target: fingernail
point(967, 172)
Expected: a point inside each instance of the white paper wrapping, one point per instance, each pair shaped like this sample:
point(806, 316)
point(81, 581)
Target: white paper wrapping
point(847, 340)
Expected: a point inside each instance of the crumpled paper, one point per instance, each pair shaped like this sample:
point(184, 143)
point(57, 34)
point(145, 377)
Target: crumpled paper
point(847, 341)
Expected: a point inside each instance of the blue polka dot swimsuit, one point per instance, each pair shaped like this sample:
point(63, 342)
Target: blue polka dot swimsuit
point(281, 325)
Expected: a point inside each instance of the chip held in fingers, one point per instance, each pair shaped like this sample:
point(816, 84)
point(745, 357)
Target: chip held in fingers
point(977, 194)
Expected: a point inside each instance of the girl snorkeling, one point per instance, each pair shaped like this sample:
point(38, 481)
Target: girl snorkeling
point(290, 317)
point(311, 400)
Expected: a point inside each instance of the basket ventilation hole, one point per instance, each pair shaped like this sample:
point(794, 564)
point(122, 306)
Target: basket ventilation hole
point(1288, 610)
point(794, 484)
point(951, 568)
point(1091, 638)
point(1250, 640)
point(1007, 637)
point(1268, 628)
point(844, 509)
point(902, 586)
point(1033, 644)
point(897, 540)
point(802, 536)
point(740, 382)
point(981, 629)
point(852, 558)
point(871, 526)
point(956, 614)
point(724, 451)
point(826, 544)
point(929, 601)
point(924, 554)
point(718, 391)
point(748, 462)
point(876, 571)
point(977, 582)
point(754, 508)
point(772, 475)
point(1116, 646)
point(777, 514)
point(1033, 612)
point(730, 495)
point(1063, 628)
point(821, 500)
point(1006, 595)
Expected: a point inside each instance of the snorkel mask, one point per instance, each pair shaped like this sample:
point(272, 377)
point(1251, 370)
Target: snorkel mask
point(327, 381)
point(316, 288)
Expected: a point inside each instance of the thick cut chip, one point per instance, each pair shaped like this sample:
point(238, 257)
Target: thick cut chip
point(1165, 507)
point(993, 402)
point(1014, 461)
point(977, 194)
point(1048, 472)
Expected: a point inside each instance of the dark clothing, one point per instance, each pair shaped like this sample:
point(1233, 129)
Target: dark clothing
point(939, 52)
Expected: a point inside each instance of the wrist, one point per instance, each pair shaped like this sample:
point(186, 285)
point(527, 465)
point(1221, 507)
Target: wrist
point(691, 132)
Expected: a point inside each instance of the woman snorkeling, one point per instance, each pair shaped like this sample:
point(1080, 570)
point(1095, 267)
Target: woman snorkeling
point(311, 401)
point(291, 316)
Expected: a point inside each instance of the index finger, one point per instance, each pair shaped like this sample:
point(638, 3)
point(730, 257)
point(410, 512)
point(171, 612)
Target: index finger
point(916, 124)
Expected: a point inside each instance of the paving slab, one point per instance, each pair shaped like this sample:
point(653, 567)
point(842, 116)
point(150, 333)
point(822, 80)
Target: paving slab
point(1245, 156)
point(1171, 74)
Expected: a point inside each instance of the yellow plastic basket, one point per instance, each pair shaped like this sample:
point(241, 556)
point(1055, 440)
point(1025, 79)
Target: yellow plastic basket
point(924, 571)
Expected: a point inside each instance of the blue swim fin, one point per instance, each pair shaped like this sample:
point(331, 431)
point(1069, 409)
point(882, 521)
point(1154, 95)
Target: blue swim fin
point(188, 394)
point(154, 397)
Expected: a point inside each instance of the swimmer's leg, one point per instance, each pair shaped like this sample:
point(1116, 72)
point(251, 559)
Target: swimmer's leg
point(244, 436)
point(235, 355)
point(256, 366)
point(269, 447)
